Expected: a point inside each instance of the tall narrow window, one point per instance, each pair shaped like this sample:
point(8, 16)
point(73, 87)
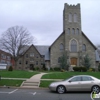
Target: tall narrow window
point(77, 31)
point(26, 62)
point(73, 46)
point(73, 31)
point(75, 17)
point(83, 47)
point(70, 17)
point(36, 62)
point(68, 30)
point(61, 46)
point(59, 60)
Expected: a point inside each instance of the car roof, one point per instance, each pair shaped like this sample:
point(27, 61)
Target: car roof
point(84, 75)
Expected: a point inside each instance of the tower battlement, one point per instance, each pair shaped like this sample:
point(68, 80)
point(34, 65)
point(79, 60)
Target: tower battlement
point(72, 6)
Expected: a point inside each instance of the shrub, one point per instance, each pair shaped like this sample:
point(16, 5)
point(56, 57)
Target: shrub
point(56, 69)
point(91, 70)
point(76, 69)
point(83, 69)
point(51, 69)
point(99, 67)
point(37, 68)
point(86, 61)
point(62, 70)
point(43, 66)
point(10, 68)
point(80, 69)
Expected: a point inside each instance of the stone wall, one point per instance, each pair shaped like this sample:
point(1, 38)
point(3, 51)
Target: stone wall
point(55, 51)
point(27, 60)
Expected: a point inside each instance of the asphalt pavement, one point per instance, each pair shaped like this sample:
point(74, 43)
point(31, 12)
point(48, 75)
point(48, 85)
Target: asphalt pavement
point(40, 94)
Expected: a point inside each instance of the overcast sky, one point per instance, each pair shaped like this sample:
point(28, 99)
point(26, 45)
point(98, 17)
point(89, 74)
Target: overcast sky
point(44, 18)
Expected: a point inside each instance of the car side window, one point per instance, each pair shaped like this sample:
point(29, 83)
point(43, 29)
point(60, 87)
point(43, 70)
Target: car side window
point(75, 79)
point(87, 78)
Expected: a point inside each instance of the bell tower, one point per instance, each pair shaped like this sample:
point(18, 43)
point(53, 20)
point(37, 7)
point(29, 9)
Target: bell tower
point(72, 24)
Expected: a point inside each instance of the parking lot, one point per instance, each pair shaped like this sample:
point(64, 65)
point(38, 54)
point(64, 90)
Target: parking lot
point(39, 94)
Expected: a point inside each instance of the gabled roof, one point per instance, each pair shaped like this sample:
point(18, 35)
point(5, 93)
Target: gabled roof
point(24, 49)
point(42, 50)
point(30, 47)
point(57, 38)
point(89, 41)
point(83, 35)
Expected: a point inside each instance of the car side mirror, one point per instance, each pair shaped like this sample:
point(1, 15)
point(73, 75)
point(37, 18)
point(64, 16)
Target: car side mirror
point(69, 80)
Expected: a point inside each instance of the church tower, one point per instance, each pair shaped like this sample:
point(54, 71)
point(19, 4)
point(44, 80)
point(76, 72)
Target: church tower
point(72, 22)
point(72, 28)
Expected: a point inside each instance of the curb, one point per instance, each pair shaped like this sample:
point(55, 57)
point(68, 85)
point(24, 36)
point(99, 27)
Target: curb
point(13, 87)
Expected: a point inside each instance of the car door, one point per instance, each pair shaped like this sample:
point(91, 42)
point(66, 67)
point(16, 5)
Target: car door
point(86, 83)
point(74, 84)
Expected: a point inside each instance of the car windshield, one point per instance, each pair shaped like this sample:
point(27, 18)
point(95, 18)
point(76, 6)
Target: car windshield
point(67, 78)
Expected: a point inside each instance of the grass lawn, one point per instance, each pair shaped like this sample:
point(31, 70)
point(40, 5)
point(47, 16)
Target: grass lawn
point(45, 83)
point(64, 75)
point(5, 82)
point(17, 74)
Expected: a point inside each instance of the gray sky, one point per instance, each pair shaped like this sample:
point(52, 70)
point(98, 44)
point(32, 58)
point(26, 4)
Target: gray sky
point(44, 18)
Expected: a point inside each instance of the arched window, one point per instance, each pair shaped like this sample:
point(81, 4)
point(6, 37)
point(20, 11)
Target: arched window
point(73, 46)
point(68, 30)
point(77, 31)
point(70, 17)
point(75, 17)
point(59, 60)
point(83, 47)
point(61, 46)
point(73, 31)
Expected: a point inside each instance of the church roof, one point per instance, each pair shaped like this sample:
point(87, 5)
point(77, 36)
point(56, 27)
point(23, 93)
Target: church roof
point(57, 38)
point(89, 41)
point(82, 33)
point(42, 49)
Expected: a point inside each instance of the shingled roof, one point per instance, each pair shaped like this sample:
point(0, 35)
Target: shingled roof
point(42, 49)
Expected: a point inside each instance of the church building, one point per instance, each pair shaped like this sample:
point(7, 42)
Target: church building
point(72, 40)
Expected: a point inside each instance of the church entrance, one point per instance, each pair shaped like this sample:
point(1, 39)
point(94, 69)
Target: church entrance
point(74, 61)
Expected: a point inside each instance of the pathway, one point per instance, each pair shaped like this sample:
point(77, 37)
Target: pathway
point(33, 82)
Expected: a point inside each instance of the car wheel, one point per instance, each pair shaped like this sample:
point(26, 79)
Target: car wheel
point(61, 89)
point(96, 89)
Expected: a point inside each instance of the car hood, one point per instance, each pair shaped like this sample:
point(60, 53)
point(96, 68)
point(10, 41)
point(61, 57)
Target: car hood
point(61, 82)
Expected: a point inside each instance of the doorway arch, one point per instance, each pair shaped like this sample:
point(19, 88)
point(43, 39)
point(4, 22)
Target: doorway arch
point(74, 61)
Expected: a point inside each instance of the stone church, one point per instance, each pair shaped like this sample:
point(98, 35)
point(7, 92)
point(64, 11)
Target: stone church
point(72, 40)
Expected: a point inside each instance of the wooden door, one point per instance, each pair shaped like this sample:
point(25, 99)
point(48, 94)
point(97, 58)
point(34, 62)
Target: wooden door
point(73, 61)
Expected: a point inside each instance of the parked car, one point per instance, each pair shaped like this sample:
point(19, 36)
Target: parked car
point(77, 83)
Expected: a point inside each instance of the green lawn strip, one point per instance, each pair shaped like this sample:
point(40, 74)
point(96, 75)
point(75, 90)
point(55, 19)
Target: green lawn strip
point(17, 74)
point(45, 83)
point(64, 75)
point(6, 82)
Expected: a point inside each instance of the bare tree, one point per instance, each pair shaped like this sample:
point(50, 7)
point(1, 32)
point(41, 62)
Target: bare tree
point(14, 39)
